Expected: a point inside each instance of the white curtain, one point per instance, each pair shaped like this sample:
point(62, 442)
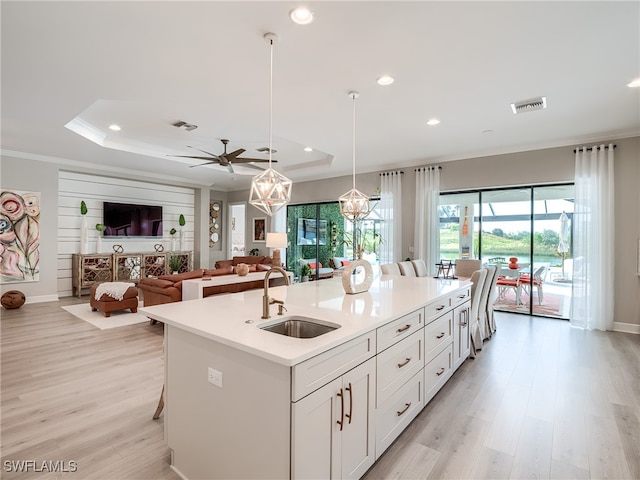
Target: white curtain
point(391, 216)
point(427, 226)
point(279, 225)
point(593, 239)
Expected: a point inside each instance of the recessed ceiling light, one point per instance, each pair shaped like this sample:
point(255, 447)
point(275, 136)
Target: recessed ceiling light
point(301, 15)
point(433, 121)
point(385, 80)
point(634, 83)
point(308, 149)
point(114, 127)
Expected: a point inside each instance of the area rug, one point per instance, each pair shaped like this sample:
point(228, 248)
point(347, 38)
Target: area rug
point(120, 318)
point(551, 306)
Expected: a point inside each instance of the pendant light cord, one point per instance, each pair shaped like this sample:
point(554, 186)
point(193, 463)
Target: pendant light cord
point(354, 140)
point(270, 100)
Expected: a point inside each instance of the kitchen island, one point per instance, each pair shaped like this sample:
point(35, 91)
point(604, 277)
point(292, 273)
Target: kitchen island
point(244, 402)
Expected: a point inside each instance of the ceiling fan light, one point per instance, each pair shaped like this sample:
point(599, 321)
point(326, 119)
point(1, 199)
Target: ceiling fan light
point(354, 205)
point(270, 191)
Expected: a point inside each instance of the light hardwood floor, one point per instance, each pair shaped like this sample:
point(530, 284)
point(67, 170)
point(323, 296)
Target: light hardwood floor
point(541, 400)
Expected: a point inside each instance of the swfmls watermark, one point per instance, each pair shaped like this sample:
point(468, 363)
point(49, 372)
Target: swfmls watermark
point(40, 466)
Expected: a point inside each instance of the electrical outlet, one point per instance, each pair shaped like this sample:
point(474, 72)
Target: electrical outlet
point(215, 377)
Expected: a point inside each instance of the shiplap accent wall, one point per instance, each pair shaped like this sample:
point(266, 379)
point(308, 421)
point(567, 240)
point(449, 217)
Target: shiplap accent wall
point(94, 190)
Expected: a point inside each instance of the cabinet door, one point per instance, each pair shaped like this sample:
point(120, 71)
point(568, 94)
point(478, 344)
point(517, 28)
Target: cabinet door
point(358, 433)
point(462, 339)
point(333, 432)
point(314, 442)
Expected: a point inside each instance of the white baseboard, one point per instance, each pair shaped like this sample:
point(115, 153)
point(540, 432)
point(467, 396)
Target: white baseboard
point(626, 327)
point(42, 298)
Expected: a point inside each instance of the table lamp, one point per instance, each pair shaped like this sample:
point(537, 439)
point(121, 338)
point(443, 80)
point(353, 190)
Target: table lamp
point(276, 241)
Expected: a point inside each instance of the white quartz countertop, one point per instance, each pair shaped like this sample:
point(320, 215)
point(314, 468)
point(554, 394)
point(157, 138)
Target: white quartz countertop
point(234, 319)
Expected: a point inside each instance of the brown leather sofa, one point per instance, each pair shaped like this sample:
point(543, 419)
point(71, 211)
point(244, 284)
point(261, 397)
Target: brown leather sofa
point(168, 288)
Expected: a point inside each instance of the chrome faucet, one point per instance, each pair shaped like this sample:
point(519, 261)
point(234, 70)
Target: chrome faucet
point(266, 299)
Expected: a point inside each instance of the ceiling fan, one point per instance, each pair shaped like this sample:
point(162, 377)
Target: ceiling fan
point(226, 159)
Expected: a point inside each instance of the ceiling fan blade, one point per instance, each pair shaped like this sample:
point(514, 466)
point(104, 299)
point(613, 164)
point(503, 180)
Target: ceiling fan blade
point(212, 160)
point(202, 164)
point(204, 151)
point(254, 160)
point(230, 168)
point(231, 156)
point(251, 165)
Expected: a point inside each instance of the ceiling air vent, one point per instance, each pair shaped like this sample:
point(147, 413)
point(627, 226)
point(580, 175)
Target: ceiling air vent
point(530, 105)
point(187, 126)
point(265, 150)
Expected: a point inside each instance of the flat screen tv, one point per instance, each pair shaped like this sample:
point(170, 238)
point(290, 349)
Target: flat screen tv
point(309, 230)
point(132, 220)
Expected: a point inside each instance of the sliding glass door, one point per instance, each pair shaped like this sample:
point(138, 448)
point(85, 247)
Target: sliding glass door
point(520, 230)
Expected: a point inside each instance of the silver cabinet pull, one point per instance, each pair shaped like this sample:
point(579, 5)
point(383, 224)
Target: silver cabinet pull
point(440, 307)
point(440, 336)
point(400, 365)
point(440, 372)
point(406, 407)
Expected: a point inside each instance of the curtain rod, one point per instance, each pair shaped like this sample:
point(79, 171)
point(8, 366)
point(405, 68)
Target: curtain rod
point(391, 173)
point(606, 147)
point(428, 168)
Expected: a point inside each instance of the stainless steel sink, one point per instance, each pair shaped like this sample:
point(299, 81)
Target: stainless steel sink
point(300, 327)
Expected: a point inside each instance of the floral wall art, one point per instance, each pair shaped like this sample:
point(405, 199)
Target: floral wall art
point(19, 236)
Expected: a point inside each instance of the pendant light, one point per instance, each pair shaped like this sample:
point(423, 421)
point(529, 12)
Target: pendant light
point(354, 204)
point(270, 190)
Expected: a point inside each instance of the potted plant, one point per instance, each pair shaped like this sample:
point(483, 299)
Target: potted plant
point(175, 262)
point(172, 232)
point(306, 272)
point(100, 227)
point(181, 222)
point(84, 230)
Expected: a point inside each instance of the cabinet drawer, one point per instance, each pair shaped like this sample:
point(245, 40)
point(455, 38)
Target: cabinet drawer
point(435, 309)
point(437, 334)
point(401, 328)
point(461, 297)
point(321, 369)
point(397, 412)
point(437, 372)
point(397, 364)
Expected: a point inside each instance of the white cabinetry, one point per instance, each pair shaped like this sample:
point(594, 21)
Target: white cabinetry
point(333, 427)
point(462, 340)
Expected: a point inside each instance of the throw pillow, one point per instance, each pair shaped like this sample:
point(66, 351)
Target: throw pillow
point(345, 262)
point(313, 265)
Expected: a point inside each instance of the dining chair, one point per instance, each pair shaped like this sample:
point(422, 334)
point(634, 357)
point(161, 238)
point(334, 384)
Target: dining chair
point(490, 327)
point(484, 295)
point(538, 280)
point(406, 269)
point(506, 283)
point(466, 267)
point(420, 267)
point(477, 279)
point(390, 269)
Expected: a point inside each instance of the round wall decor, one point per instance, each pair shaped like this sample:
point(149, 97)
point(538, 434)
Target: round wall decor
point(118, 248)
point(159, 247)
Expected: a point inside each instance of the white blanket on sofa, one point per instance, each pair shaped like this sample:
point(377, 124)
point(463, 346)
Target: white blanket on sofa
point(113, 289)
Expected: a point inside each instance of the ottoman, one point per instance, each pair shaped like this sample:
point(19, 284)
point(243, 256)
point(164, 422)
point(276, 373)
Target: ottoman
point(108, 304)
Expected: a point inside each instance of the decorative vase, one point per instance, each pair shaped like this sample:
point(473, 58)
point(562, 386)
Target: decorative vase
point(173, 243)
point(99, 244)
point(242, 269)
point(513, 263)
point(84, 235)
point(181, 240)
point(357, 277)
